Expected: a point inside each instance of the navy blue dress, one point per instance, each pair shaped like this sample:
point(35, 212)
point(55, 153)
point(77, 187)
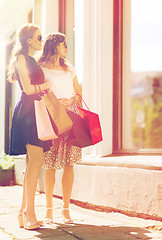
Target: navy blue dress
point(23, 129)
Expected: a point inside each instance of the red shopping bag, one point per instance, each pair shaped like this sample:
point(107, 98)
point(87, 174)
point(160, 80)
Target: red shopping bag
point(86, 129)
point(79, 135)
point(94, 125)
point(44, 126)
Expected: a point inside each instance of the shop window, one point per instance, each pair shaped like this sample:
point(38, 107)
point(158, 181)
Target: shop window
point(146, 74)
point(137, 76)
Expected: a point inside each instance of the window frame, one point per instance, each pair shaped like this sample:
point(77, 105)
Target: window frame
point(117, 74)
point(118, 61)
point(62, 16)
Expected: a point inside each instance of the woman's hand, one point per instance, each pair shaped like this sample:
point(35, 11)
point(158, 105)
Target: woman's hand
point(78, 90)
point(49, 85)
point(45, 87)
point(66, 102)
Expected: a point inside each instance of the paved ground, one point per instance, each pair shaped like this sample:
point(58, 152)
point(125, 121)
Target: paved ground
point(88, 224)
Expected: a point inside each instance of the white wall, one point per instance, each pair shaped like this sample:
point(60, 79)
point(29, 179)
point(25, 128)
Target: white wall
point(79, 37)
point(70, 34)
point(50, 14)
point(2, 94)
point(12, 15)
point(95, 59)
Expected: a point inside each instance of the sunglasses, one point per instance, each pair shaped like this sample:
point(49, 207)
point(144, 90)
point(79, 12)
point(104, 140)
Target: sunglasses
point(65, 44)
point(40, 38)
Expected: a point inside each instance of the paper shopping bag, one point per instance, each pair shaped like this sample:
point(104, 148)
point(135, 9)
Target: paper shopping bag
point(58, 114)
point(44, 126)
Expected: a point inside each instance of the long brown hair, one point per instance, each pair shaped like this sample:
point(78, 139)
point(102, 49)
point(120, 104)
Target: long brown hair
point(21, 47)
point(51, 43)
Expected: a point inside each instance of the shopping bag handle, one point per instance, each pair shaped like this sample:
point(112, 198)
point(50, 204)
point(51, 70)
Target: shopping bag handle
point(83, 101)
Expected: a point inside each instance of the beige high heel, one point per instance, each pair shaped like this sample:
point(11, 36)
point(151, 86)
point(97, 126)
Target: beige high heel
point(40, 222)
point(20, 219)
point(28, 225)
point(66, 220)
point(48, 220)
point(21, 223)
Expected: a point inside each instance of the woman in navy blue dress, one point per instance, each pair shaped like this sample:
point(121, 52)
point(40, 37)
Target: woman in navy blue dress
point(24, 138)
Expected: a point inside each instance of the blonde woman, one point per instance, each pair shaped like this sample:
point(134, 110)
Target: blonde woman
point(24, 139)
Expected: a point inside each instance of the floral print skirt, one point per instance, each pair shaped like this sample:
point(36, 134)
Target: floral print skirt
point(62, 154)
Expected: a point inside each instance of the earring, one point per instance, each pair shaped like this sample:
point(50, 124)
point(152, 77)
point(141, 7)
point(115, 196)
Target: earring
point(29, 41)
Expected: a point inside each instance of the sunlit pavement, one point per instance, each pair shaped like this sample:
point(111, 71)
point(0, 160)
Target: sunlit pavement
point(88, 224)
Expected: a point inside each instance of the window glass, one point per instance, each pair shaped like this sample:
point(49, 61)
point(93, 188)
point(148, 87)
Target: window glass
point(146, 74)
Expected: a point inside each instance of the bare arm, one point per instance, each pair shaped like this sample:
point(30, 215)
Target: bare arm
point(24, 77)
point(78, 90)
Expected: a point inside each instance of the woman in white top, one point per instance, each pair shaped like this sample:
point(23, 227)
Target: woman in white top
point(64, 84)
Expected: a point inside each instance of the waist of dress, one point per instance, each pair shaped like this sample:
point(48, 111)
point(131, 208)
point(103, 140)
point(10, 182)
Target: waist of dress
point(31, 96)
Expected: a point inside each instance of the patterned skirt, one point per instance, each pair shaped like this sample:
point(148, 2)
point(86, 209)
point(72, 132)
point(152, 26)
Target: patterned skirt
point(62, 154)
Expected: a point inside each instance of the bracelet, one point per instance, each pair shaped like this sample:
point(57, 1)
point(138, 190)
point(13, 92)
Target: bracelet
point(39, 89)
point(35, 88)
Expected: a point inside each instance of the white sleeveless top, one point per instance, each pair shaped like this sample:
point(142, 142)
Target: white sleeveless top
point(61, 82)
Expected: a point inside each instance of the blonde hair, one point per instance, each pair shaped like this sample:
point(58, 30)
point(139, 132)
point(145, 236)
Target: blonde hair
point(25, 32)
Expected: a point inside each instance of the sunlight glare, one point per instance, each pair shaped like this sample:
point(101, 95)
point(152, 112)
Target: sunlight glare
point(146, 35)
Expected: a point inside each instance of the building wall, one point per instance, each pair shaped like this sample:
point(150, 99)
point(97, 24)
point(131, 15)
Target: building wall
point(2, 95)
point(8, 27)
point(97, 67)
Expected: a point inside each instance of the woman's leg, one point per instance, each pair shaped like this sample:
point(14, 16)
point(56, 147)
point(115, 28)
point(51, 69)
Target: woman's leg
point(67, 184)
point(23, 204)
point(36, 158)
point(49, 187)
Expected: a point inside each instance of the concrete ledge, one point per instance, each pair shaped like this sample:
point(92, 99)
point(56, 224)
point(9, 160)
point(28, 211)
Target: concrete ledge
point(141, 162)
point(126, 183)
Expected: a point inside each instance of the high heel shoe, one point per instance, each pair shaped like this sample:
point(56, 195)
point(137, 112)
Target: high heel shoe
point(28, 225)
point(47, 219)
point(21, 223)
point(66, 220)
point(20, 219)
